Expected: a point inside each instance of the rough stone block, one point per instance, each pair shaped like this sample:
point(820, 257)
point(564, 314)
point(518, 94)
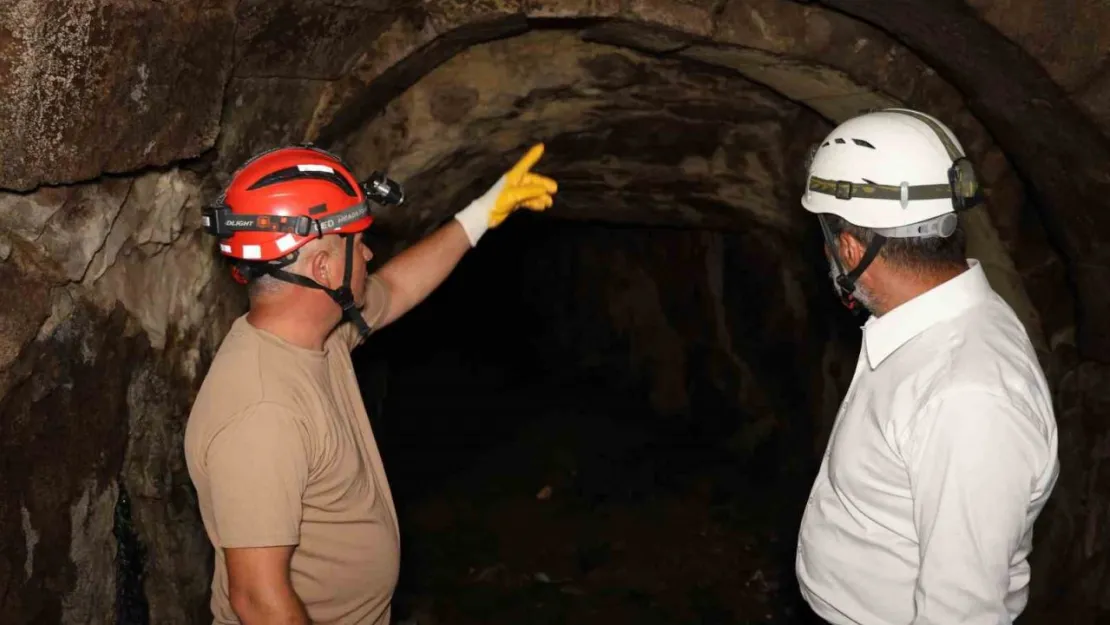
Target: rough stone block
point(62, 436)
point(68, 224)
point(1094, 99)
point(768, 25)
point(691, 16)
point(830, 92)
point(638, 36)
point(264, 113)
point(572, 8)
point(1093, 333)
point(1069, 39)
point(305, 39)
point(20, 316)
point(446, 15)
point(85, 95)
point(164, 509)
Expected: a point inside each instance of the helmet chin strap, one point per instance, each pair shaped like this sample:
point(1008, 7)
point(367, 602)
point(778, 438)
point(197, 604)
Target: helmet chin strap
point(846, 280)
point(343, 296)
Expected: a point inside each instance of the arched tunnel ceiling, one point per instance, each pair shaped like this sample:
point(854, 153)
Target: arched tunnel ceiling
point(89, 97)
point(631, 138)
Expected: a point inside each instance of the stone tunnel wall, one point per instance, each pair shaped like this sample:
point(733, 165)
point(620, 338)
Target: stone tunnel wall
point(111, 317)
point(116, 302)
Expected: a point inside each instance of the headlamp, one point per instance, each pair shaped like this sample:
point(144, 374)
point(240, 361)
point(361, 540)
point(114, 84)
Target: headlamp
point(382, 190)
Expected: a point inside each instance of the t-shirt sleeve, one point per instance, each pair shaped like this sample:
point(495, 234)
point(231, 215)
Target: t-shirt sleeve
point(374, 309)
point(257, 469)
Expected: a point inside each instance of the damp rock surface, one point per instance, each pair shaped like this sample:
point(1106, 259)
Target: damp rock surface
point(85, 95)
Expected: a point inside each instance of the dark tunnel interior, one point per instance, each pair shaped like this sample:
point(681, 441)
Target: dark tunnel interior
point(534, 476)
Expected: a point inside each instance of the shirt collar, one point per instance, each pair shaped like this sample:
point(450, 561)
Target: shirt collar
point(882, 336)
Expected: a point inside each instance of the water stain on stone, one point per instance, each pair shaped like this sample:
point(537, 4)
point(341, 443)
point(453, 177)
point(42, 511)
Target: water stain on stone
point(614, 71)
point(451, 103)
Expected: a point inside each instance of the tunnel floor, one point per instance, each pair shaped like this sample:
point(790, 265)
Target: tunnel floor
point(543, 504)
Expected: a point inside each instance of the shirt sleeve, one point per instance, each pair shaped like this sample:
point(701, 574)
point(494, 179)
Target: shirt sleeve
point(258, 468)
point(374, 309)
point(973, 460)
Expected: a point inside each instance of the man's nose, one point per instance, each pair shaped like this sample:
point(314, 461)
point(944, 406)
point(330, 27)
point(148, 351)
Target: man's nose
point(366, 253)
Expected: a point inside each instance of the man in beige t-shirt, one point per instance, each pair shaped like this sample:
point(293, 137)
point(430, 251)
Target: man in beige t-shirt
point(290, 483)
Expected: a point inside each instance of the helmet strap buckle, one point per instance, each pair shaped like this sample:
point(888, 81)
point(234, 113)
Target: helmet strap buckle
point(843, 190)
point(846, 283)
point(344, 297)
point(303, 226)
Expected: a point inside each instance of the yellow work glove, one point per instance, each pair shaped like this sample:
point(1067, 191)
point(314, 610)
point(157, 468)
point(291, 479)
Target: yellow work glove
point(517, 188)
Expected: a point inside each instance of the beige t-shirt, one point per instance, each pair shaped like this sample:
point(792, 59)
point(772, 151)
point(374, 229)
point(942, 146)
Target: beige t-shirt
point(280, 449)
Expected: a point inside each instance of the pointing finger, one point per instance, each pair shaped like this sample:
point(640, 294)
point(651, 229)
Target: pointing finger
point(526, 163)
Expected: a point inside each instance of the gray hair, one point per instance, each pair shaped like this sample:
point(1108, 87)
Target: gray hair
point(266, 285)
point(913, 253)
point(263, 286)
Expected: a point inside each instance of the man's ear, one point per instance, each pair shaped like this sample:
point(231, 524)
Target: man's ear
point(851, 250)
point(319, 264)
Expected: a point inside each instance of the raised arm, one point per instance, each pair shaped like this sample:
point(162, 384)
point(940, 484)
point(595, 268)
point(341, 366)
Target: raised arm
point(974, 459)
point(414, 273)
point(258, 468)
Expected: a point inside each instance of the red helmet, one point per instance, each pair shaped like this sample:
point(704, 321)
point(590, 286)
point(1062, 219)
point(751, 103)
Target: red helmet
point(284, 198)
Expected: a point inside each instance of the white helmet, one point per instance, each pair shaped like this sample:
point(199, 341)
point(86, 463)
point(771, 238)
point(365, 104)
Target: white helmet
point(899, 172)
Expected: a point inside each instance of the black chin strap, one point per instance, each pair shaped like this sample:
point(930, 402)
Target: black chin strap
point(846, 280)
point(342, 296)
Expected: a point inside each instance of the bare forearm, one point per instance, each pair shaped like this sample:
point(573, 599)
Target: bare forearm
point(416, 272)
point(279, 607)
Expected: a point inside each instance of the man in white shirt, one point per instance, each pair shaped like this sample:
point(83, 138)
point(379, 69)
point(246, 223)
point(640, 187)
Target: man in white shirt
point(945, 447)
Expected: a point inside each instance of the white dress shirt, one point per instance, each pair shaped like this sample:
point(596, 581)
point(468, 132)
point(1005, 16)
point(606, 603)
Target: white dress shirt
point(942, 456)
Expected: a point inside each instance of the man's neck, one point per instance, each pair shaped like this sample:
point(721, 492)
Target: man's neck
point(285, 323)
point(899, 289)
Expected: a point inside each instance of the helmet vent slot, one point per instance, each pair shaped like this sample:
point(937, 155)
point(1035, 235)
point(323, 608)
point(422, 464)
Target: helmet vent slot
point(294, 173)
